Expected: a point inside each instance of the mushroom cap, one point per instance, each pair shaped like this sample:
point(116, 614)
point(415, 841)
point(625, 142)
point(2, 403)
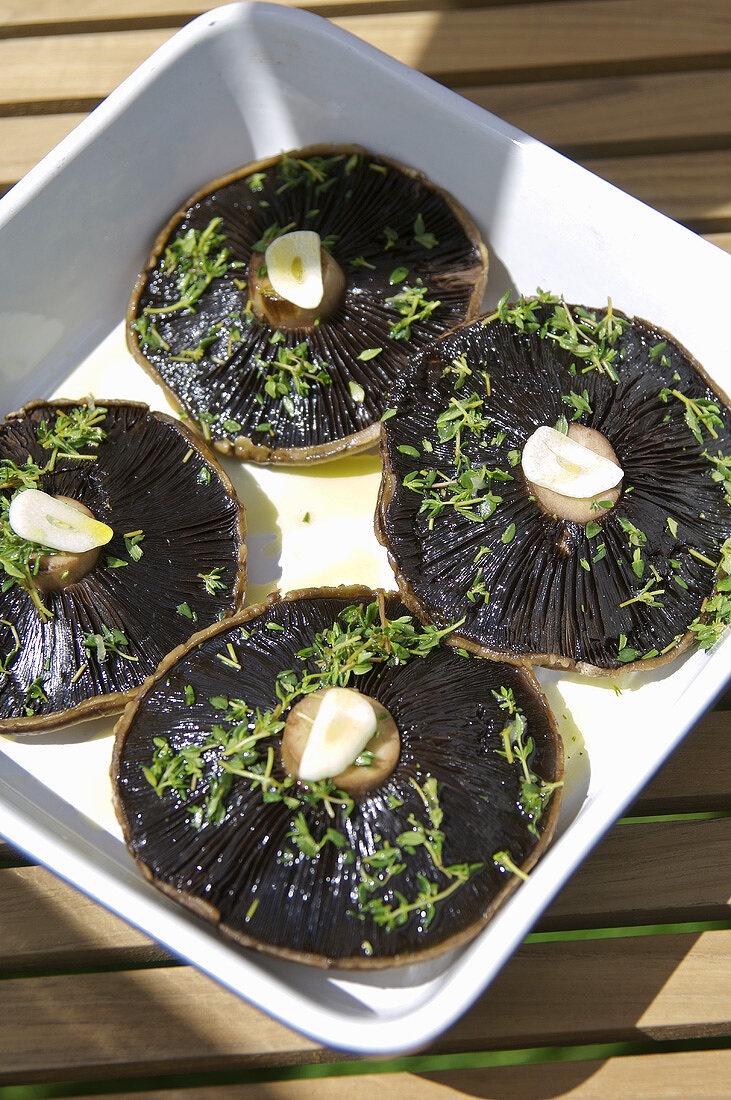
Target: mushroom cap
point(150, 475)
point(617, 593)
point(245, 874)
point(366, 210)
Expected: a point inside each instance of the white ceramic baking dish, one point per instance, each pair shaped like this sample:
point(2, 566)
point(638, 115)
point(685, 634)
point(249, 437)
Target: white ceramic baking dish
point(242, 82)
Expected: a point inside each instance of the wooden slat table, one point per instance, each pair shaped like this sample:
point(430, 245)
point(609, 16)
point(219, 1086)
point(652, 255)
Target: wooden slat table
point(624, 989)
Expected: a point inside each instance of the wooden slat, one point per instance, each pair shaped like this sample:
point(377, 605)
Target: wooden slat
point(24, 141)
point(136, 1022)
point(722, 240)
point(59, 17)
point(509, 44)
point(689, 1075)
point(692, 188)
point(67, 930)
point(663, 987)
point(549, 39)
point(617, 113)
point(647, 873)
point(76, 69)
point(688, 781)
point(176, 1020)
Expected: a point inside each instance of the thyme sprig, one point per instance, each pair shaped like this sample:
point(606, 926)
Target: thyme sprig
point(469, 491)
point(721, 471)
point(579, 331)
point(196, 258)
point(699, 413)
point(73, 430)
point(315, 170)
point(293, 372)
point(414, 306)
point(535, 793)
point(391, 909)
point(715, 614)
point(107, 642)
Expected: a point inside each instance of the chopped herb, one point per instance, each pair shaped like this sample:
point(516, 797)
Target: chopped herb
point(255, 181)
point(588, 337)
point(503, 860)
point(114, 563)
point(108, 642)
point(369, 353)
point(414, 306)
point(459, 368)
point(270, 234)
point(391, 237)
point(580, 403)
point(212, 581)
point(196, 258)
point(132, 542)
point(360, 261)
point(426, 240)
point(292, 372)
point(699, 413)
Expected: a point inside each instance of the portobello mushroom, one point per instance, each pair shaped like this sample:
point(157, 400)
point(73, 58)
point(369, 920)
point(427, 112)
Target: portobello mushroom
point(356, 875)
point(79, 634)
point(273, 381)
point(629, 581)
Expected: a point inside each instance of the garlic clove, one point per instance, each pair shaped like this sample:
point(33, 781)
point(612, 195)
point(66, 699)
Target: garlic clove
point(344, 725)
point(41, 518)
point(552, 460)
point(294, 267)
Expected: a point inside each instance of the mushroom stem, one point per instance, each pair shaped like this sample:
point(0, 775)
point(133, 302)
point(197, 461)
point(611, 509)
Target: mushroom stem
point(281, 313)
point(378, 755)
point(57, 571)
point(580, 509)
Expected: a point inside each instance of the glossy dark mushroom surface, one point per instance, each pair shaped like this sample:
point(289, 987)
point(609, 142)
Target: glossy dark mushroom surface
point(242, 860)
point(181, 567)
point(303, 395)
point(631, 588)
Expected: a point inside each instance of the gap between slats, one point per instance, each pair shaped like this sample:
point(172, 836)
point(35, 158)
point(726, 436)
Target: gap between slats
point(661, 1072)
point(54, 17)
point(462, 47)
point(664, 988)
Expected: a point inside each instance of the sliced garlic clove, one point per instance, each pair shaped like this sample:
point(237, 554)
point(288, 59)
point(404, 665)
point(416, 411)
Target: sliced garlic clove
point(344, 725)
point(294, 267)
point(554, 461)
point(41, 518)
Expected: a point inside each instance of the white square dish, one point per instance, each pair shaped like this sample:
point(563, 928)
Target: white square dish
point(244, 82)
